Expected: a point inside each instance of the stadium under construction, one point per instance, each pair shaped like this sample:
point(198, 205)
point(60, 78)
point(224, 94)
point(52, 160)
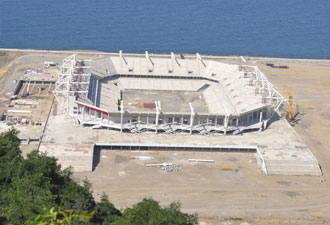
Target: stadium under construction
point(154, 103)
point(166, 94)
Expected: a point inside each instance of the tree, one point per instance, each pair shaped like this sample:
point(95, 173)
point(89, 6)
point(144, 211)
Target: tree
point(62, 217)
point(10, 156)
point(149, 212)
point(27, 197)
point(105, 212)
point(30, 185)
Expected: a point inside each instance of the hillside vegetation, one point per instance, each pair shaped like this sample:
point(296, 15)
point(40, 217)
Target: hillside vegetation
point(36, 191)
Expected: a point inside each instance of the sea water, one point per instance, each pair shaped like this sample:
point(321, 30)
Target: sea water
point(275, 28)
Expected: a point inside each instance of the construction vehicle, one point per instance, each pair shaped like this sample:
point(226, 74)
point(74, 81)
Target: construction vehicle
point(291, 116)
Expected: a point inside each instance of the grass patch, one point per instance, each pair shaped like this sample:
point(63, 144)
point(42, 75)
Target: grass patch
point(3, 73)
point(7, 57)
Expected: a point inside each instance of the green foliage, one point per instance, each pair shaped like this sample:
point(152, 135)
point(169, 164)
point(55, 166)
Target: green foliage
point(26, 197)
point(37, 182)
point(10, 156)
point(149, 212)
point(105, 212)
point(36, 191)
point(62, 217)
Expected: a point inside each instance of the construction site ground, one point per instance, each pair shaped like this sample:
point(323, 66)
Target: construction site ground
point(233, 189)
point(171, 101)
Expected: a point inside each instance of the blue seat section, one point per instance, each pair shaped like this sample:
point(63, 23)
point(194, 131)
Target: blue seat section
point(92, 89)
point(98, 94)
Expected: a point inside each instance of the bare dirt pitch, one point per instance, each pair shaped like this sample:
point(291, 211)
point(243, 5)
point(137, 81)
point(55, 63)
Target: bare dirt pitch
point(172, 101)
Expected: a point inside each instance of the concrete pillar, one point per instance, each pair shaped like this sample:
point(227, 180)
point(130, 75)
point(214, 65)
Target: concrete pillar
point(157, 117)
point(226, 123)
point(158, 108)
point(121, 115)
point(192, 115)
point(172, 61)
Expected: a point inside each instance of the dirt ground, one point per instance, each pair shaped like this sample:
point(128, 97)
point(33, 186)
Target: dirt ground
point(172, 101)
point(229, 197)
point(232, 190)
point(310, 88)
point(7, 57)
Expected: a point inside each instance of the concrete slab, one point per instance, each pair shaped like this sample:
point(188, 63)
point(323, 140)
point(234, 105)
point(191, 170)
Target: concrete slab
point(79, 156)
point(291, 162)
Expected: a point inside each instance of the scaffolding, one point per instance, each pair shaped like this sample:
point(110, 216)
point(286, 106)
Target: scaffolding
point(263, 87)
point(73, 81)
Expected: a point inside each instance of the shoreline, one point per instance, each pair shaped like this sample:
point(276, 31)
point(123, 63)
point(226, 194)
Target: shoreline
point(206, 56)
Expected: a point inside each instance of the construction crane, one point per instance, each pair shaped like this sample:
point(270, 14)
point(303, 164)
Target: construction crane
point(291, 117)
point(290, 113)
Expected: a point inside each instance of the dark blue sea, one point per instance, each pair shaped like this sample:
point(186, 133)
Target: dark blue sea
point(276, 28)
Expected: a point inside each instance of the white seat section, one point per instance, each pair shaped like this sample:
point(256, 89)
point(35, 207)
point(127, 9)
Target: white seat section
point(110, 93)
point(241, 96)
point(103, 67)
point(158, 66)
point(216, 101)
point(161, 84)
point(225, 90)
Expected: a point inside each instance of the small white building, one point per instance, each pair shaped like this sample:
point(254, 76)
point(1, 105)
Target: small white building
point(49, 64)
